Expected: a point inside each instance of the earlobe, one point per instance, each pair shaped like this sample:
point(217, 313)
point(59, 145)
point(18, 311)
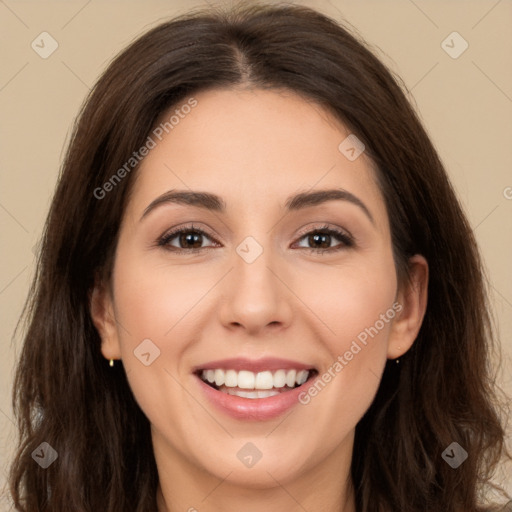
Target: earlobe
point(103, 317)
point(413, 299)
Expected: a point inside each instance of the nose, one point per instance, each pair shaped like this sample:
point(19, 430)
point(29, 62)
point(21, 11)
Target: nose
point(256, 294)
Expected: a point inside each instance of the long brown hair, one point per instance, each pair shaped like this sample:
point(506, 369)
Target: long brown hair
point(443, 391)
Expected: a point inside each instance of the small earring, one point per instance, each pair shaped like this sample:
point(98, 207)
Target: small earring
point(397, 361)
point(111, 362)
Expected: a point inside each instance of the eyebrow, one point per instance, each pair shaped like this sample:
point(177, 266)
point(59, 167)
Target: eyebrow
point(213, 202)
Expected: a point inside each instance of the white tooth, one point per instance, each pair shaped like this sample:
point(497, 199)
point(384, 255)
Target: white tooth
point(266, 394)
point(246, 379)
point(261, 381)
point(219, 377)
point(231, 379)
point(264, 380)
point(279, 379)
point(302, 377)
point(248, 394)
point(290, 378)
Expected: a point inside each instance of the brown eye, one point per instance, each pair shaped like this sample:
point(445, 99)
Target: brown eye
point(189, 239)
point(321, 239)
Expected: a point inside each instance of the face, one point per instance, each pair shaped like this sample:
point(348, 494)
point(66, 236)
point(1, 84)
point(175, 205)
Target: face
point(263, 293)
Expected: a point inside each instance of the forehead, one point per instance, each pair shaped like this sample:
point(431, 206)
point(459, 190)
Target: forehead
point(254, 148)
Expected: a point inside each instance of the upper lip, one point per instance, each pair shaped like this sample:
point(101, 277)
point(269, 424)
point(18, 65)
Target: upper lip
point(254, 365)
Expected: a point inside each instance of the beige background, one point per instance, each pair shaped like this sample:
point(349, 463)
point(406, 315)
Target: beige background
point(465, 103)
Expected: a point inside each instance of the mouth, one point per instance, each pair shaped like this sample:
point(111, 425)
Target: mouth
point(255, 385)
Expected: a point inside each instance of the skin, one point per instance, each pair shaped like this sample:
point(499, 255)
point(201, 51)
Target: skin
point(255, 148)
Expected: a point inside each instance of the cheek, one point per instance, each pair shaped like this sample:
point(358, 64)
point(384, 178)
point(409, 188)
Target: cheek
point(153, 301)
point(160, 304)
point(154, 310)
point(350, 299)
point(357, 305)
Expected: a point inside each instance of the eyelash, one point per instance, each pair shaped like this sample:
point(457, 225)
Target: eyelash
point(346, 239)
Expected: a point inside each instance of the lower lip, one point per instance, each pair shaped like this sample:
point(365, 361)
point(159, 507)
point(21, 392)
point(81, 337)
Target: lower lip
point(257, 409)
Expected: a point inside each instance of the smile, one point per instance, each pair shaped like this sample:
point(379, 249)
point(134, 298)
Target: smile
point(253, 385)
point(254, 390)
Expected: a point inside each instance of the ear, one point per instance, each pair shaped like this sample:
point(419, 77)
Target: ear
point(101, 307)
point(413, 299)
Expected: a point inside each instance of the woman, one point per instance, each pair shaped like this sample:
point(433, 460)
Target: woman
point(322, 343)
